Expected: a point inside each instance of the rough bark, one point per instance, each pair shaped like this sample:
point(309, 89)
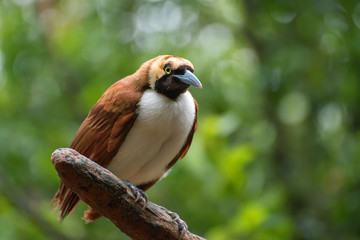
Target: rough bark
point(111, 197)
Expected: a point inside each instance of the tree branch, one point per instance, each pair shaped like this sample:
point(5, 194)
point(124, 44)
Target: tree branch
point(111, 197)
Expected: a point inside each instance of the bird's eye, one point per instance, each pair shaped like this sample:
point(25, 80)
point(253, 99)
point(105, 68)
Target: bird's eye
point(167, 70)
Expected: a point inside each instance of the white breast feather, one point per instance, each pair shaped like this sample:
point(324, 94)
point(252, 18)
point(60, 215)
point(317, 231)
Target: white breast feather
point(158, 134)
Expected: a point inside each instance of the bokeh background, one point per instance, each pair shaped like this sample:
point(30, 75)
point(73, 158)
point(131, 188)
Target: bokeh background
point(276, 154)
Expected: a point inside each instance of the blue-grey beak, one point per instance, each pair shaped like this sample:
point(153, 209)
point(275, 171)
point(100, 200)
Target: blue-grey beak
point(189, 78)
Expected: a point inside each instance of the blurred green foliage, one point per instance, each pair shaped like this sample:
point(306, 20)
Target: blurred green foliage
point(276, 154)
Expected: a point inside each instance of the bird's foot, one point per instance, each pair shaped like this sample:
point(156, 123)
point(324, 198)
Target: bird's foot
point(139, 195)
point(180, 223)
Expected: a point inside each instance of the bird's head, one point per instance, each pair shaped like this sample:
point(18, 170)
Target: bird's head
point(172, 76)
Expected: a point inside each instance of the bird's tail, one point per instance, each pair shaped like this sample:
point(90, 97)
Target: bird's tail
point(66, 200)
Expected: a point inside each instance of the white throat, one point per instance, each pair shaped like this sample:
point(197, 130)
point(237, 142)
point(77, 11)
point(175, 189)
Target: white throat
point(158, 134)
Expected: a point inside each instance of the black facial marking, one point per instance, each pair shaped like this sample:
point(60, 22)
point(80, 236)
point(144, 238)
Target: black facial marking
point(167, 65)
point(170, 86)
point(179, 71)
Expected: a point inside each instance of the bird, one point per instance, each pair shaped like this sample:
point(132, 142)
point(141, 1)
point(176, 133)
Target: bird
point(139, 128)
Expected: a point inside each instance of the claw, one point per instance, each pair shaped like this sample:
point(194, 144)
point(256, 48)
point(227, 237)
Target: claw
point(181, 224)
point(139, 195)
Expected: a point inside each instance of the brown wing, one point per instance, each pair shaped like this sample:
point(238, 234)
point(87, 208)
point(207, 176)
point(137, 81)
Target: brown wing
point(101, 134)
point(105, 128)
